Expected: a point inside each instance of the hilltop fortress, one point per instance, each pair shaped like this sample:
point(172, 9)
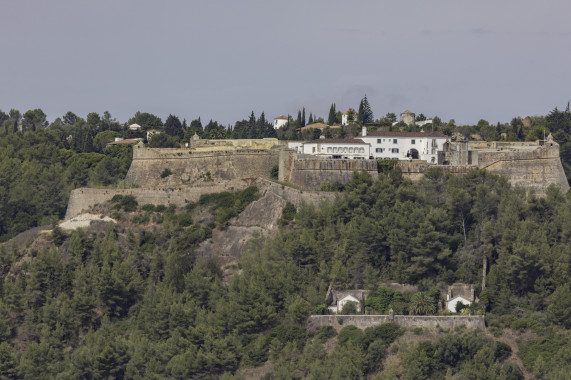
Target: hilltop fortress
point(181, 175)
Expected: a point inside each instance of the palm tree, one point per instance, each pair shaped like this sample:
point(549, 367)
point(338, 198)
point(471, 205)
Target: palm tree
point(422, 304)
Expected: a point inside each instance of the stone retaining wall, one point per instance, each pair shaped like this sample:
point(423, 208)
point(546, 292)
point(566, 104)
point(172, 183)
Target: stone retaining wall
point(311, 173)
point(316, 322)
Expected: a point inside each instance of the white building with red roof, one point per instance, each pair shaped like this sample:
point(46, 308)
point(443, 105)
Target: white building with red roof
point(280, 121)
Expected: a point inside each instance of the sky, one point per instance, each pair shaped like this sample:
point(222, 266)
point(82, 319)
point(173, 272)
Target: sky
point(221, 60)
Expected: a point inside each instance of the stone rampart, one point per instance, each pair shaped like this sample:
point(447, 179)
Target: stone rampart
point(84, 198)
point(531, 168)
point(311, 173)
point(193, 168)
point(415, 169)
point(295, 196)
point(525, 164)
point(316, 322)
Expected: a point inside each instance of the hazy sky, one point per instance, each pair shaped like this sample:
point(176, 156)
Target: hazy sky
point(462, 60)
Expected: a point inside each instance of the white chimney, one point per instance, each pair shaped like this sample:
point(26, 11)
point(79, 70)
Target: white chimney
point(364, 133)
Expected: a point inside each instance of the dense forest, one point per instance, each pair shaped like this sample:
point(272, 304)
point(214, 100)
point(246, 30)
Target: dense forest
point(132, 299)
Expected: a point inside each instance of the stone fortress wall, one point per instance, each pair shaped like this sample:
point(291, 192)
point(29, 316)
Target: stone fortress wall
point(82, 199)
point(533, 165)
point(198, 168)
point(228, 165)
point(317, 322)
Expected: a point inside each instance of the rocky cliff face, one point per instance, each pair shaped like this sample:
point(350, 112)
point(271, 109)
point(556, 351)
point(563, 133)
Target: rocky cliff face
point(257, 222)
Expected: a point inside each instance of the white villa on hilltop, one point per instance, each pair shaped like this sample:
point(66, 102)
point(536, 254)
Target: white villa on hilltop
point(280, 121)
point(377, 145)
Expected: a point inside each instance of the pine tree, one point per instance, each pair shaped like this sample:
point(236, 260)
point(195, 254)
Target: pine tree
point(173, 126)
point(365, 114)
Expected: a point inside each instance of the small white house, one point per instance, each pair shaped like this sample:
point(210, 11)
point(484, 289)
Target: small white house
point(152, 132)
point(348, 116)
point(134, 127)
point(458, 292)
point(280, 121)
point(451, 305)
point(342, 302)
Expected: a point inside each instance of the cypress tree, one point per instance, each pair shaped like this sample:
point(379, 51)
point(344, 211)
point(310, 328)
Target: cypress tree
point(332, 117)
point(310, 121)
point(303, 117)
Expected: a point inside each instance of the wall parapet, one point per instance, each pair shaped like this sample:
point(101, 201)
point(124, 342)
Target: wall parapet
point(316, 322)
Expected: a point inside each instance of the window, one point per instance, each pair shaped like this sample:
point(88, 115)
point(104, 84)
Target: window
point(412, 141)
point(394, 141)
point(313, 150)
point(362, 150)
point(350, 150)
point(378, 141)
point(379, 150)
point(395, 150)
point(329, 150)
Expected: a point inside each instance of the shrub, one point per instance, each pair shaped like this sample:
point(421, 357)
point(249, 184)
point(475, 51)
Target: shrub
point(117, 198)
point(141, 219)
point(148, 208)
point(325, 333)
point(184, 220)
point(274, 172)
point(160, 208)
point(502, 351)
point(349, 334)
point(166, 173)
point(350, 308)
point(129, 203)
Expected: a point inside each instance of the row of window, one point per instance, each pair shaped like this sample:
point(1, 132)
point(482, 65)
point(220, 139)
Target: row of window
point(345, 150)
point(413, 141)
point(381, 150)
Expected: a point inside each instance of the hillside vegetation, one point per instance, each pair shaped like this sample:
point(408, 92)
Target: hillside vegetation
point(132, 300)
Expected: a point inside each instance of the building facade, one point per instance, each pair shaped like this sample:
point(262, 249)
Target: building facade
point(405, 145)
point(280, 121)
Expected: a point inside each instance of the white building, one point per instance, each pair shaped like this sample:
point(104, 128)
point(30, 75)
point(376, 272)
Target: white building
point(377, 145)
point(349, 114)
point(405, 145)
point(457, 292)
point(337, 308)
point(451, 304)
point(280, 121)
point(334, 148)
